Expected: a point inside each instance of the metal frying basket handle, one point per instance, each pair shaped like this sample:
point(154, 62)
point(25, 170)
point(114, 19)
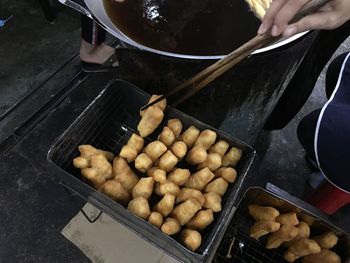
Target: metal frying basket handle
point(78, 5)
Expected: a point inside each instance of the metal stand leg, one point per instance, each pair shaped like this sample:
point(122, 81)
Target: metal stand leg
point(48, 11)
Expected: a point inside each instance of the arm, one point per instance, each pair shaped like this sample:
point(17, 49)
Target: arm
point(330, 16)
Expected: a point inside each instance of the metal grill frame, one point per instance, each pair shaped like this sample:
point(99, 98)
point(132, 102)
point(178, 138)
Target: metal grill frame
point(253, 251)
point(121, 117)
point(241, 222)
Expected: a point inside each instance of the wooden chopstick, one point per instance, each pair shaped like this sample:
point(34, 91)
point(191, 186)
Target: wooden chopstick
point(214, 71)
point(225, 64)
point(210, 73)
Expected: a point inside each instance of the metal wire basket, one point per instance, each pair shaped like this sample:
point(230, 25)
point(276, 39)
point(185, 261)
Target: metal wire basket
point(107, 124)
point(238, 247)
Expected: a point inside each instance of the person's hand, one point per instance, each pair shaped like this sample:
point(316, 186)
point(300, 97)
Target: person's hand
point(281, 12)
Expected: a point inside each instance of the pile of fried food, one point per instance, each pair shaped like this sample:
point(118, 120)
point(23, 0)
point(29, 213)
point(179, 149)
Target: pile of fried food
point(294, 234)
point(259, 7)
point(148, 180)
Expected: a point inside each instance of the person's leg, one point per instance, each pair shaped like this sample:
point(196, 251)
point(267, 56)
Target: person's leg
point(304, 79)
point(333, 140)
point(306, 133)
point(307, 126)
point(332, 74)
point(93, 49)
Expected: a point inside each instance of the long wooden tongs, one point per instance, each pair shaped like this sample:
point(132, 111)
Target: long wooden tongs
point(203, 78)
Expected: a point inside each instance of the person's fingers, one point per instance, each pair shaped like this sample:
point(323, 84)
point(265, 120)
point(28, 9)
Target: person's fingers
point(286, 14)
point(320, 20)
point(281, 12)
point(326, 8)
point(269, 17)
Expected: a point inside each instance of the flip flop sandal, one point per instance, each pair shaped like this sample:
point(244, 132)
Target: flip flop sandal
point(108, 65)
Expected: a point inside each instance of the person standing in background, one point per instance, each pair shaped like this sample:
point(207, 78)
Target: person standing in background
point(324, 133)
point(95, 54)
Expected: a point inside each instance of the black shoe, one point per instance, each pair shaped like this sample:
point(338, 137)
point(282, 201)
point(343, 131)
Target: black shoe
point(311, 163)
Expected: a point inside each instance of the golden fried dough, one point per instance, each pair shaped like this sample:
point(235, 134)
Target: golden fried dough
point(261, 228)
point(206, 139)
point(301, 248)
point(189, 193)
point(161, 104)
point(200, 179)
point(81, 162)
point(123, 174)
point(116, 191)
point(213, 162)
point(264, 213)
point(132, 148)
point(212, 201)
point(155, 149)
point(176, 126)
point(167, 136)
point(166, 205)
point(128, 153)
point(285, 233)
point(171, 227)
point(179, 176)
point(157, 174)
point(228, 173)
point(94, 177)
point(218, 186)
point(220, 147)
point(150, 120)
point(168, 161)
point(192, 239)
point(156, 219)
point(179, 148)
point(98, 169)
point(258, 9)
point(189, 136)
point(168, 187)
point(143, 162)
point(186, 210)
point(140, 207)
point(288, 219)
point(196, 155)
point(325, 256)
point(144, 188)
point(232, 158)
point(304, 232)
point(201, 220)
point(327, 240)
point(87, 151)
point(100, 162)
point(136, 142)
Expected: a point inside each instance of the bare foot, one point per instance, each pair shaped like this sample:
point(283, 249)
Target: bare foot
point(96, 54)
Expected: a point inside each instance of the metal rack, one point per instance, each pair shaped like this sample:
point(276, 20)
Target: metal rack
point(107, 124)
point(245, 250)
point(238, 247)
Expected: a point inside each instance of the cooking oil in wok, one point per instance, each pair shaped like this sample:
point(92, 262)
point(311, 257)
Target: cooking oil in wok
point(195, 27)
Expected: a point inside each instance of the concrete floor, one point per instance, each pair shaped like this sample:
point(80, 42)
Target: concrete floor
point(31, 50)
point(24, 40)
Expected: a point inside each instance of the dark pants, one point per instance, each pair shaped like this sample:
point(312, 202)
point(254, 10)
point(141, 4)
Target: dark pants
point(304, 79)
point(307, 126)
point(91, 32)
